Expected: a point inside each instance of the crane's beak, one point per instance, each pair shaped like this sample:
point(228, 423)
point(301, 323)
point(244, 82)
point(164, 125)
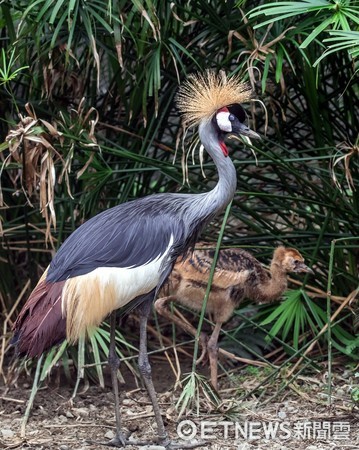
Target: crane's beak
point(241, 128)
point(301, 267)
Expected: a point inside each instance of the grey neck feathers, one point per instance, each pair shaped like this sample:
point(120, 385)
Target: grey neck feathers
point(219, 197)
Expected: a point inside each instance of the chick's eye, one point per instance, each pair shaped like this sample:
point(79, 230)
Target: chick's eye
point(231, 117)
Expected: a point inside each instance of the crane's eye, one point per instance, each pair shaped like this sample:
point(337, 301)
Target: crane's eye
point(231, 117)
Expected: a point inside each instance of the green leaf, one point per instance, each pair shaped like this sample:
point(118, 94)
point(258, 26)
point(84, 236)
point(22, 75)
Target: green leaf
point(94, 338)
point(55, 10)
point(4, 146)
point(279, 66)
point(51, 359)
point(316, 32)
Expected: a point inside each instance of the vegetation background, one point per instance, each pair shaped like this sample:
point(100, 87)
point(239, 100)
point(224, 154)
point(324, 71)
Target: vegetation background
point(88, 121)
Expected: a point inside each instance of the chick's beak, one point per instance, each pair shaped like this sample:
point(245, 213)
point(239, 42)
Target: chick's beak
point(301, 267)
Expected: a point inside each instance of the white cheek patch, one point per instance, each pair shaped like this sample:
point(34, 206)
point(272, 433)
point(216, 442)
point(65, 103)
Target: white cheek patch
point(223, 121)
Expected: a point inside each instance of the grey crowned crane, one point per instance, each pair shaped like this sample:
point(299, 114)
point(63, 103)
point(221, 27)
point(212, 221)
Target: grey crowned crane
point(238, 276)
point(124, 255)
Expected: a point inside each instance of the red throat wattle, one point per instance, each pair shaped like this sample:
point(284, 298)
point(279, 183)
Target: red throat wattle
point(224, 148)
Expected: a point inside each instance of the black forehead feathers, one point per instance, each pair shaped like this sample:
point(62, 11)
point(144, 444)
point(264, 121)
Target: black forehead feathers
point(237, 110)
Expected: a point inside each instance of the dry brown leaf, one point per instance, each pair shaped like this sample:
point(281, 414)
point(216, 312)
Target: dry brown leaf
point(32, 145)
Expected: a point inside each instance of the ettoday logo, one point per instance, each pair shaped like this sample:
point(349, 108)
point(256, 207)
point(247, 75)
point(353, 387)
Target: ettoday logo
point(254, 430)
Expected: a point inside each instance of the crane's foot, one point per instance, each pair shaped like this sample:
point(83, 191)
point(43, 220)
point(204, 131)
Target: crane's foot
point(120, 440)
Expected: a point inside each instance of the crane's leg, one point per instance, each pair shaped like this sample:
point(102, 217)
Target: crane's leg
point(114, 363)
point(162, 308)
point(145, 369)
point(120, 440)
point(212, 348)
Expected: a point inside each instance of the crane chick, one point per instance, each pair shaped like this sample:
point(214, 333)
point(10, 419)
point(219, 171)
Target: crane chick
point(238, 276)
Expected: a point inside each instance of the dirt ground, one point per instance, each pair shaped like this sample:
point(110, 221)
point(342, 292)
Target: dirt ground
point(298, 417)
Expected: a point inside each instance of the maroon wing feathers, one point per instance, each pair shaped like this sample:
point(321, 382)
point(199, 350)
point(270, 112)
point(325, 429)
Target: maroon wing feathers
point(40, 324)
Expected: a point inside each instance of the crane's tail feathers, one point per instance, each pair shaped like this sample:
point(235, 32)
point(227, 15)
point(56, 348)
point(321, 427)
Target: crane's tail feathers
point(40, 324)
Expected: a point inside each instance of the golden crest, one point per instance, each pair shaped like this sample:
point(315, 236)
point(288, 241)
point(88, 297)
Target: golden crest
point(201, 95)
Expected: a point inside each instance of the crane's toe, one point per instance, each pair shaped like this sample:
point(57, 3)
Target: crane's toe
point(118, 441)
